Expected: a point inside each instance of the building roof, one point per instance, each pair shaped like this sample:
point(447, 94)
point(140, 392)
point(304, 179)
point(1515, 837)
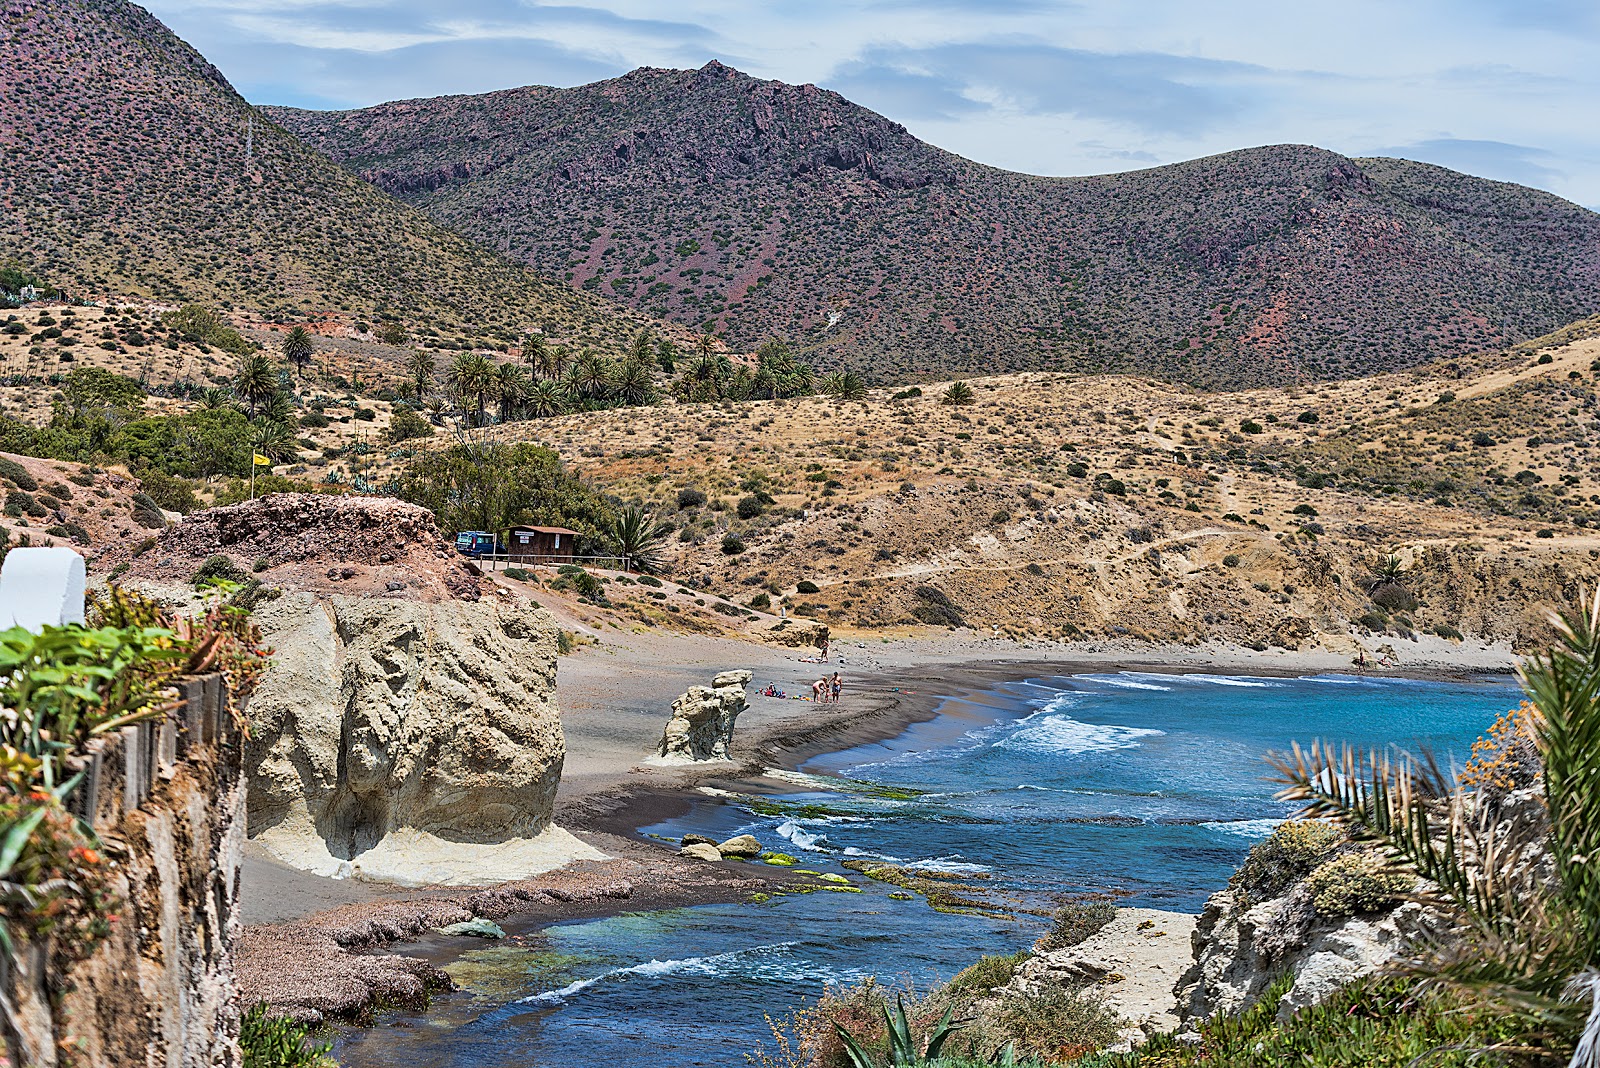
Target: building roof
point(547, 530)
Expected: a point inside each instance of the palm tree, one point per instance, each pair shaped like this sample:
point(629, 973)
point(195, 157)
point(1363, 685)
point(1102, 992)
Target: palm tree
point(845, 386)
point(556, 358)
point(705, 376)
point(535, 352)
point(297, 349)
point(1520, 886)
point(256, 381)
point(764, 384)
point(420, 366)
point(637, 537)
point(472, 376)
point(274, 439)
point(643, 342)
point(213, 397)
point(593, 375)
point(705, 344)
point(742, 385)
point(278, 409)
point(958, 393)
point(510, 389)
point(633, 383)
point(544, 400)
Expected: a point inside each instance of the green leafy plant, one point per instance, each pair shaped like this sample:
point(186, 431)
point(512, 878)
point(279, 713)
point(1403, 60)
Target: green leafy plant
point(272, 1041)
point(904, 1049)
point(1530, 950)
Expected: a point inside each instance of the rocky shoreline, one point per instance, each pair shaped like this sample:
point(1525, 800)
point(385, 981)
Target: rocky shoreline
point(339, 963)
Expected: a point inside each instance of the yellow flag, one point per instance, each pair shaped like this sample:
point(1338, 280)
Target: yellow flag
point(262, 461)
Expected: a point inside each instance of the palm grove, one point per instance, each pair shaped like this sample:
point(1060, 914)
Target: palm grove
point(100, 417)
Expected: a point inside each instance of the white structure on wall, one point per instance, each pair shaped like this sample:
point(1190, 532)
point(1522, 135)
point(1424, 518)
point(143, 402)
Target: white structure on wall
point(41, 587)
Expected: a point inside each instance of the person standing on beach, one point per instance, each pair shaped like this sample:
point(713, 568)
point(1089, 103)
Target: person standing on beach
point(819, 692)
point(835, 686)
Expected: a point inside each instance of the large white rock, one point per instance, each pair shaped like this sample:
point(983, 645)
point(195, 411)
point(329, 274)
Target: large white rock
point(406, 741)
point(41, 587)
point(701, 727)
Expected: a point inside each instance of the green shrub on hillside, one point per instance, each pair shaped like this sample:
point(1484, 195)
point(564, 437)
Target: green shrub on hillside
point(1074, 922)
point(1374, 1023)
point(1294, 850)
point(1355, 883)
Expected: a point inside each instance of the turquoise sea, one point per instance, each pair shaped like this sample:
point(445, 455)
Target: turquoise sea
point(1149, 787)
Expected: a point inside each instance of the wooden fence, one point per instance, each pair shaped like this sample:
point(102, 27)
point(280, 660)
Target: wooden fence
point(122, 770)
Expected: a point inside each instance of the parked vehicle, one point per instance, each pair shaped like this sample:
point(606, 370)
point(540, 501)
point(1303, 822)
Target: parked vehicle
point(476, 543)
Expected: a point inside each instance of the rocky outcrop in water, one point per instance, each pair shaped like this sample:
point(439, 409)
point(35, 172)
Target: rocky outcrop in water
point(408, 741)
point(701, 727)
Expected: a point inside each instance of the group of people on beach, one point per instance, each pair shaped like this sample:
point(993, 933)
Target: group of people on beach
point(826, 689)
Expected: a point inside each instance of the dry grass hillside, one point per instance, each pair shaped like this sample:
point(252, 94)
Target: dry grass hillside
point(1063, 507)
point(1049, 506)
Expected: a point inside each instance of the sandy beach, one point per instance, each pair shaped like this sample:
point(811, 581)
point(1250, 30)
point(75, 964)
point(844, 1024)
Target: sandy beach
point(310, 941)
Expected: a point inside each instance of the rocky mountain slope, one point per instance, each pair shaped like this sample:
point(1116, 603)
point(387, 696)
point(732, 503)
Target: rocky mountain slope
point(763, 209)
point(129, 165)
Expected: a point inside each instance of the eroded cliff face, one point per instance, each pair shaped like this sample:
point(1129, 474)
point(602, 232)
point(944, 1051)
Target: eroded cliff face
point(408, 741)
point(1240, 951)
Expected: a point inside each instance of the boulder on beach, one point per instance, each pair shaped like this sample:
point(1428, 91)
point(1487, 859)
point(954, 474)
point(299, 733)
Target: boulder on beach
point(743, 845)
point(700, 851)
point(701, 727)
point(407, 740)
point(477, 927)
point(697, 839)
point(797, 634)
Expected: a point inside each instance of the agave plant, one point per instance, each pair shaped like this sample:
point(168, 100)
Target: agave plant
point(1520, 885)
point(903, 1046)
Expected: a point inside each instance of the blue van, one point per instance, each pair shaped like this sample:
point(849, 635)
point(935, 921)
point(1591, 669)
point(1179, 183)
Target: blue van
point(476, 543)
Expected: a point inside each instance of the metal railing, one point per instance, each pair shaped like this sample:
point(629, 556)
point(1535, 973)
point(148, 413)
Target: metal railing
point(501, 561)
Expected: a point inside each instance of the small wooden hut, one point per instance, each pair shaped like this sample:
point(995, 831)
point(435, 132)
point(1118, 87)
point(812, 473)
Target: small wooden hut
point(541, 545)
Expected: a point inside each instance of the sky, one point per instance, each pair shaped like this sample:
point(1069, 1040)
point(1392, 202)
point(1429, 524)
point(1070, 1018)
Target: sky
point(1505, 89)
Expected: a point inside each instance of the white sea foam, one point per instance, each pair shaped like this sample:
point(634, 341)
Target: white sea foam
point(1233, 680)
point(1125, 681)
point(800, 778)
point(655, 969)
point(801, 838)
point(1342, 680)
point(852, 851)
point(1063, 734)
point(1244, 828)
point(949, 866)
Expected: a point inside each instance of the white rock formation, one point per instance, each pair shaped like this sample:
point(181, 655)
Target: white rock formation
point(701, 727)
point(1133, 962)
point(1239, 953)
point(408, 741)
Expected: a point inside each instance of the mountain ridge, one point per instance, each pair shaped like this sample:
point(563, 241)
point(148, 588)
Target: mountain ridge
point(764, 209)
point(132, 167)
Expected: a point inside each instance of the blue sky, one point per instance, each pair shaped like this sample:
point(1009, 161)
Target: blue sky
point(1504, 89)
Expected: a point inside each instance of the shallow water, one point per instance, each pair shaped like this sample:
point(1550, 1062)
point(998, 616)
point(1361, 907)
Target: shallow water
point(1149, 787)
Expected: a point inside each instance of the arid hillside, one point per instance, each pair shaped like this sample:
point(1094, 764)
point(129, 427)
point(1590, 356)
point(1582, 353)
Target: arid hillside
point(129, 166)
point(1459, 498)
point(764, 209)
